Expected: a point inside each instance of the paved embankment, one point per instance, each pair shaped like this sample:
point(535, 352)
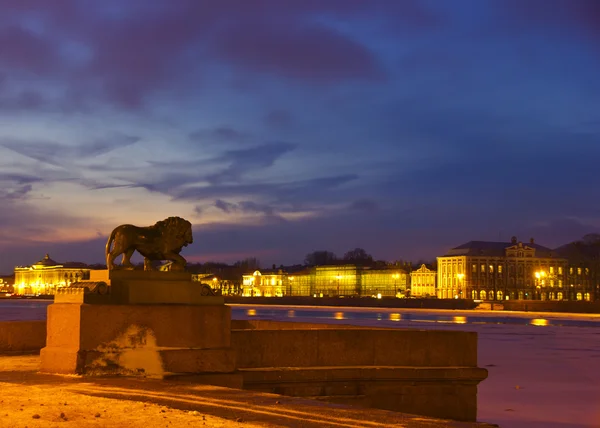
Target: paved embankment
point(36, 400)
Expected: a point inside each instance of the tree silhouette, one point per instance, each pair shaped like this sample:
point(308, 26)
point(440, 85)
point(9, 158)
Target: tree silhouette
point(248, 264)
point(358, 256)
point(319, 258)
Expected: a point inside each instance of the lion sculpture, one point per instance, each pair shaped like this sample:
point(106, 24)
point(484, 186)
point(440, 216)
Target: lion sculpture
point(163, 241)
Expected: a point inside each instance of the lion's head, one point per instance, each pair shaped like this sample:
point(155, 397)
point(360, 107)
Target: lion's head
point(176, 232)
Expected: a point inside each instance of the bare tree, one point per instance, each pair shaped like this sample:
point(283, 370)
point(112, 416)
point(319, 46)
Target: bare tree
point(358, 256)
point(319, 258)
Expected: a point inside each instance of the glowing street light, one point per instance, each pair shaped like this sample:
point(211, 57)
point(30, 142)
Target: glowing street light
point(460, 277)
point(396, 276)
point(539, 276)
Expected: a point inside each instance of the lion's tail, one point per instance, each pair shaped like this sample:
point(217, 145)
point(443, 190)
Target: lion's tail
point(109, 243)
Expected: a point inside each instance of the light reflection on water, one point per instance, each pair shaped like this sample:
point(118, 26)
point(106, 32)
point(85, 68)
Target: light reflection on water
point(375, 316)
point(31, 309)
point(395, 317)
point(459, 320)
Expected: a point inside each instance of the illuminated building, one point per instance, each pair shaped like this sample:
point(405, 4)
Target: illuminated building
point(327, 281)
point(46, 275)
point(583, 271)
point(265, 284)
point(501, 271)
point(422, 282)
point(6, 285)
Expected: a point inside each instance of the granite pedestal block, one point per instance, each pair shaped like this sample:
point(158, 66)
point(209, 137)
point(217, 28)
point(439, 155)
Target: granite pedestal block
point(154, 324)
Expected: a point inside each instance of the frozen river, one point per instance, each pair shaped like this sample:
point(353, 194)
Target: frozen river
point(543, 368)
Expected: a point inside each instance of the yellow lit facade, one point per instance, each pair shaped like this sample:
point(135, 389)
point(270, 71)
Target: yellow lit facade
point(6, 286)
point(422, 282)
point(327, 281)
point(265, 284)
point(501, 271)
point(45, 276)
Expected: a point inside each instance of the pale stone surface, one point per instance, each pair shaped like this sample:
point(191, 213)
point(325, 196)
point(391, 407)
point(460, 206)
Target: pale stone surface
point(99, 275)
point(22, 336)
point(432, 373)
point(144, 275)
point(135, 292)
point(148, 340)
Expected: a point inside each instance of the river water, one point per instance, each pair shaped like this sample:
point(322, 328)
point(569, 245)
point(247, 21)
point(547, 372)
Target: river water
point(31, 309)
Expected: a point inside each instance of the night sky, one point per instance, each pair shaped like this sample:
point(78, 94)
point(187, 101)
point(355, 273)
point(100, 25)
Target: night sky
point(282, 127)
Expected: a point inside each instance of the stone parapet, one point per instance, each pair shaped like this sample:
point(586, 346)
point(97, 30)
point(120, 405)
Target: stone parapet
point(18, 337)
point(354, 347)
point(426, 372)
point(444, 392)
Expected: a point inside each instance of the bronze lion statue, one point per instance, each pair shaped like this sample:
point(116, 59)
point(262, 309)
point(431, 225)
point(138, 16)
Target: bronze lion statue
point(163, 241)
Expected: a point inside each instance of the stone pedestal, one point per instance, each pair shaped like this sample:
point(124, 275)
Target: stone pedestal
point(155, 324)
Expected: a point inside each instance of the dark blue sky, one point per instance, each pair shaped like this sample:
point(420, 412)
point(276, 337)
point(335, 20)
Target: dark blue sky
point(281, 127)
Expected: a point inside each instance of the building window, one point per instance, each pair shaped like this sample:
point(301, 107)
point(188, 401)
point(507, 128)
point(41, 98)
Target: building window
point(560, 283)
point(587, 271)
point(482, 268)
point(579, 273)
point(560, 270)
point(570, 271)
point(499, 268)
point(474, 268)
point(491, 268)
point(552, 269)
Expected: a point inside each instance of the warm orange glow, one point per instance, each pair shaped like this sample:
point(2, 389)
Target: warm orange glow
point(539, 322)
point(339, 315)
point(215, 279)
point(459, 320)
point(395, 317)
point(251, 312)
point(460, 276)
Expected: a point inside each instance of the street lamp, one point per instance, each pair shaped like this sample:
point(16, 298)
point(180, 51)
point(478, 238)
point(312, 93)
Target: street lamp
point(460, 277)
point(396, 276)
point(539, 276)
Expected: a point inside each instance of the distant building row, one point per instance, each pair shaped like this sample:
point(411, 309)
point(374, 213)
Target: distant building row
point(328, 281)
point(478, 270)
point(482, 270)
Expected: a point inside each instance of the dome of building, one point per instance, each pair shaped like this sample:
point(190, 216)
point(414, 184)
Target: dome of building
point(46, 261)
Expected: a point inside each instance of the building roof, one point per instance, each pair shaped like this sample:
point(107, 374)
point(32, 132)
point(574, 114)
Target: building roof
point(46, 261)
point(496, 249)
